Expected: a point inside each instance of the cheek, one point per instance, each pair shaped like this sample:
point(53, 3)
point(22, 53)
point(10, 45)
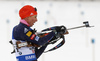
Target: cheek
point(33, 20)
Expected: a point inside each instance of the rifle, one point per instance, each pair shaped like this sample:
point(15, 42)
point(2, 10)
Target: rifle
point(48, 30)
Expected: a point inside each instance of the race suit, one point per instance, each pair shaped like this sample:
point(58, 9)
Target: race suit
point(22, 32)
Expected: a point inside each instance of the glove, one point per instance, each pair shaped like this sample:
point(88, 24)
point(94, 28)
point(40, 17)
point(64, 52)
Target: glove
point(60, 29)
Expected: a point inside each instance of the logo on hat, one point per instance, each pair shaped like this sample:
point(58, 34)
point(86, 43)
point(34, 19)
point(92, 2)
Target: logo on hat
point(31, 14)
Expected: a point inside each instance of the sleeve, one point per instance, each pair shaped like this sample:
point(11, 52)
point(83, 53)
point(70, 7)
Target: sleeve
point(21, 34)
point(29, 36)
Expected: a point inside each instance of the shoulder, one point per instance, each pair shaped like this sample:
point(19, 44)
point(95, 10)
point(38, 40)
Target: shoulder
point(19, 31)
point(20, 28)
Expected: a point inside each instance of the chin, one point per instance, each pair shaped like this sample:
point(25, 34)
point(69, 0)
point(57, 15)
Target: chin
point(31, 25)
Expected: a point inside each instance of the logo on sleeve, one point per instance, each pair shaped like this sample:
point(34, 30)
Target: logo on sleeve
point(36, 38)
point(25, 30)
point(32, 37)
point(29, 33)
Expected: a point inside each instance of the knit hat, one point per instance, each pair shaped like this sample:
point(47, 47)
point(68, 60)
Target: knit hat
point(27, 11)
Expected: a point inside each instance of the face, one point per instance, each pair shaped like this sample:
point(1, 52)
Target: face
point(31, 20)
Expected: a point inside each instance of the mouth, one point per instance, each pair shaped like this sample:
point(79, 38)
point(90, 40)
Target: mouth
point(33, 23)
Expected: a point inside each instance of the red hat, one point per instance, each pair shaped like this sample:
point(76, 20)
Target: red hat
point(27, 11)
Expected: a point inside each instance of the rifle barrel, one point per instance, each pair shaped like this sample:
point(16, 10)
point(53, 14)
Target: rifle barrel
point(76, 27)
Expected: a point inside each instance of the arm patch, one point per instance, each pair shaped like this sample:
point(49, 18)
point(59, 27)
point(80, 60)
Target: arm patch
point(36, 38)
point(32, 37)
point(29, 33)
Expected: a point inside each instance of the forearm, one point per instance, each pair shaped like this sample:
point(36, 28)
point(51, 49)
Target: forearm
point(46, 38)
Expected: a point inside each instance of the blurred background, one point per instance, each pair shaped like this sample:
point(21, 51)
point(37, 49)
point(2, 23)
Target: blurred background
point(81, 44)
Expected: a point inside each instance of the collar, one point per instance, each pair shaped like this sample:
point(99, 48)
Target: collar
point(24, 22)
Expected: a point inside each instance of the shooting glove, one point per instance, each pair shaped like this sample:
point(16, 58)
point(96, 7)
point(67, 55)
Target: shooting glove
point(60, 29)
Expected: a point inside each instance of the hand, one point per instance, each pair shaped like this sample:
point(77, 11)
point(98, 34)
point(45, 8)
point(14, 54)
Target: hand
point(61, 29)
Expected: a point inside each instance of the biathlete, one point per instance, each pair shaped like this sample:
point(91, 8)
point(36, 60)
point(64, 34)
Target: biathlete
point(25, 39)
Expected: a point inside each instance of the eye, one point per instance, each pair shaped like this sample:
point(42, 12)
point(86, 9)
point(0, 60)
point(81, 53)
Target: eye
point(35, 16)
